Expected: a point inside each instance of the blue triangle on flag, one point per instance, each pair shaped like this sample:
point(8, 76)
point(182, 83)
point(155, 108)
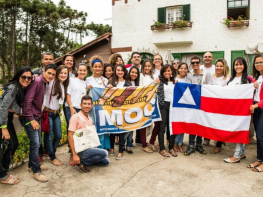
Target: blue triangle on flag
point(187, 95)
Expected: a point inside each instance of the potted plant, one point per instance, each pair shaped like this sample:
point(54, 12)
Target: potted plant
point(158, 25)
point(181, 24)
point(240, 22)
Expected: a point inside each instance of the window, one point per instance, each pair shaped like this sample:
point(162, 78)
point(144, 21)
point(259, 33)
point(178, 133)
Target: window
point(174, 13)
point(237, 3)
point(237, 8)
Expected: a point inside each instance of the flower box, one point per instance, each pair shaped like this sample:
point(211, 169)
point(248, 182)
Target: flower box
point(174, 25)
point(238, 23)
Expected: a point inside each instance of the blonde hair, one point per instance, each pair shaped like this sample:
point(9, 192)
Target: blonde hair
point(226, 67)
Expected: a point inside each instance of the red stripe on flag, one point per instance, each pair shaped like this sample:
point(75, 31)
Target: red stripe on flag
point(210, 133)
point(236, 107)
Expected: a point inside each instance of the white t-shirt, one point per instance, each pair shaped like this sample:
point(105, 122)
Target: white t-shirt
point(97, 82)
point(168, 91)
point(156, 73)
point(146, 80)
point(133, 83)
point(54, 102)
point(77, 89)
point(183, 80)
point(257, 94)
point(211, 70)
point(235, 81)
point(120, 84)
point(220, 80)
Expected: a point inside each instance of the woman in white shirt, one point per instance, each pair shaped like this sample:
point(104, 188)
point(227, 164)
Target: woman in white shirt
point(165, 94)
point(146, 79)
point(239, 76)
point(69, 61)
point(119, 79)
point(55, 96)
point(221, 75)
point(182, 71)
point(257, 111)
point(158, 64)
point(98, 81)
point(76, 90)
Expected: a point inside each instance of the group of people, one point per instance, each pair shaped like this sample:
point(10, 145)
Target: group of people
point(50, 88)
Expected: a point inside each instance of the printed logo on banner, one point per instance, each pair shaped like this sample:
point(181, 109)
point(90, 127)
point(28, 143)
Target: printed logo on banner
point(124, 109)
point(187, 96)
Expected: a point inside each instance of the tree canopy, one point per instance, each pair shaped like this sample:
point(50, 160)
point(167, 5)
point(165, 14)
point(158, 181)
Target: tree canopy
point(30, 27)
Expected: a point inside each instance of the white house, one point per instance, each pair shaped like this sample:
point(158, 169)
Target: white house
point(133, 30)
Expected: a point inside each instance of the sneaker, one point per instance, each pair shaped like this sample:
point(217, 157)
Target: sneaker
point(129, 151)
point(40, 177)
point(200, 149)
point(189, 151)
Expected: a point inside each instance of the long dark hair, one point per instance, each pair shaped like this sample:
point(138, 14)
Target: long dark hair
point(106, 65)
point(164, 68)
point(57, 87)
point(114, 79)
point(152, 68)
point(137, 80)
point(244, 78)
point(256, 73)
point(20, 96)
point(74, 61)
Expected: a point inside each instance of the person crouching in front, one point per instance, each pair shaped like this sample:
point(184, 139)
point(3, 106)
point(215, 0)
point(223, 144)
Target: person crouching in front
point(91, 156)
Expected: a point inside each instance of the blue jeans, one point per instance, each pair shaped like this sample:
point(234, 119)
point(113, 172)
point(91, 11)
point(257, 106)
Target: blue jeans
point(192, 140)
point(54, 128)
point(35, 141)
point(94, 156)
point(128, 136)
point(179, 139)
point(239, 150)
point(258, 123)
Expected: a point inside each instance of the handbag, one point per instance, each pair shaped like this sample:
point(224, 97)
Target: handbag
point(44, 116)
point(85, 138)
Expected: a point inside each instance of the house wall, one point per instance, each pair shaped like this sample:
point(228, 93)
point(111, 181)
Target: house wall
point(132, 21)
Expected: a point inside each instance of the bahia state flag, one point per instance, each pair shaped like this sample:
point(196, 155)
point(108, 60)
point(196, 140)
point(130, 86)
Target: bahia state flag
point(212, 111)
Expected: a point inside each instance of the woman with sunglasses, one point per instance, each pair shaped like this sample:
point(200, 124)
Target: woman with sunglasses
point(239, 76)
point(11, 102)
point(176, 63)
point(256, 110)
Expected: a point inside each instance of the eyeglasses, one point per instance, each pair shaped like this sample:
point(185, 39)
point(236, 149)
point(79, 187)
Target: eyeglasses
point(25, 77)
point(195, 62)
point(136, 57)
point(176, 62)
point(157, 59)
point(259, 63)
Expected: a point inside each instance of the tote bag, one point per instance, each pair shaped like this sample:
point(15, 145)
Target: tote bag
point(85, 138)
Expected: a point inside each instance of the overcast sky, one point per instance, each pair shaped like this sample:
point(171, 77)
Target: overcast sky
point(99, 11)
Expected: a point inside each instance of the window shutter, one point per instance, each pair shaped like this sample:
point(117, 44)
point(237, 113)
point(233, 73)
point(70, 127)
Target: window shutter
point(177, 55)
point(187, 12)
point(162, 15)
point(217, 54)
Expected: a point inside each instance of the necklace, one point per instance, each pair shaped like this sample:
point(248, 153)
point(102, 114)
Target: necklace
point(99, 80)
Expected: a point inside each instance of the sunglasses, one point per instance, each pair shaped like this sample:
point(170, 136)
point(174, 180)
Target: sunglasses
point(25, 77)
point(195, 62)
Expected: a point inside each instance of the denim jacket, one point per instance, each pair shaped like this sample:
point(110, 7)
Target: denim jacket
point(8, 101)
